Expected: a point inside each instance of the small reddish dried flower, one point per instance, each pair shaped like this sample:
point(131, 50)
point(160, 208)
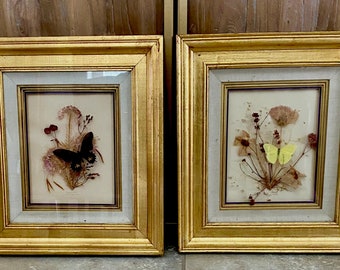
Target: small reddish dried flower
point(53, 127)
point(251, 200)
point(47, 130)
point(284, 115)
point(50, 129)
point(313, 140)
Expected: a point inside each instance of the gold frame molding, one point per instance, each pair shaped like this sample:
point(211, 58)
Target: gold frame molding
point(197, 57)
point(142, 56)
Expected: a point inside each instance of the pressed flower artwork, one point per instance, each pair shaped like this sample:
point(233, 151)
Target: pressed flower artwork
point(75, 156)
point(272, 147)
point(72, 152)
point(271, 162)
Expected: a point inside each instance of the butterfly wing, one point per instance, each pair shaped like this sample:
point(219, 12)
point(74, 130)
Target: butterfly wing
point(271, 152)
point(286, 153)
point(87, 147)
point(87, 143)
point(66, 155)
point(70, 157)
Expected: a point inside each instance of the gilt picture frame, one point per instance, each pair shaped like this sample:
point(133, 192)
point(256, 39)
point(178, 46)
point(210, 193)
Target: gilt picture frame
point(81, 145)
point(72, 153)
point(258, 142)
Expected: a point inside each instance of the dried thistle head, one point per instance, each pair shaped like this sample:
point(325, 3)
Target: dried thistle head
point(69, 110)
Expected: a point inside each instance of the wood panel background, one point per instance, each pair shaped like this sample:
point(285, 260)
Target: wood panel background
point(80, 17)
point(237, 16)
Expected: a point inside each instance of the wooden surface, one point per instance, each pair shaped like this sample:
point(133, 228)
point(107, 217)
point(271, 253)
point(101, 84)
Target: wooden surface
point(80, 17)
point(237, 16)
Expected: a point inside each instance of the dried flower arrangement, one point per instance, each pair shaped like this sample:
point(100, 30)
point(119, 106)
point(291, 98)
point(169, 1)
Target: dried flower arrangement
point(74, 157)
point(271, 162)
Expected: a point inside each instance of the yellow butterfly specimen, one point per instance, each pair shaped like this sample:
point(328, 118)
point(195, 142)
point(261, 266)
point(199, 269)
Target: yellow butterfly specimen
point(283, 154)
